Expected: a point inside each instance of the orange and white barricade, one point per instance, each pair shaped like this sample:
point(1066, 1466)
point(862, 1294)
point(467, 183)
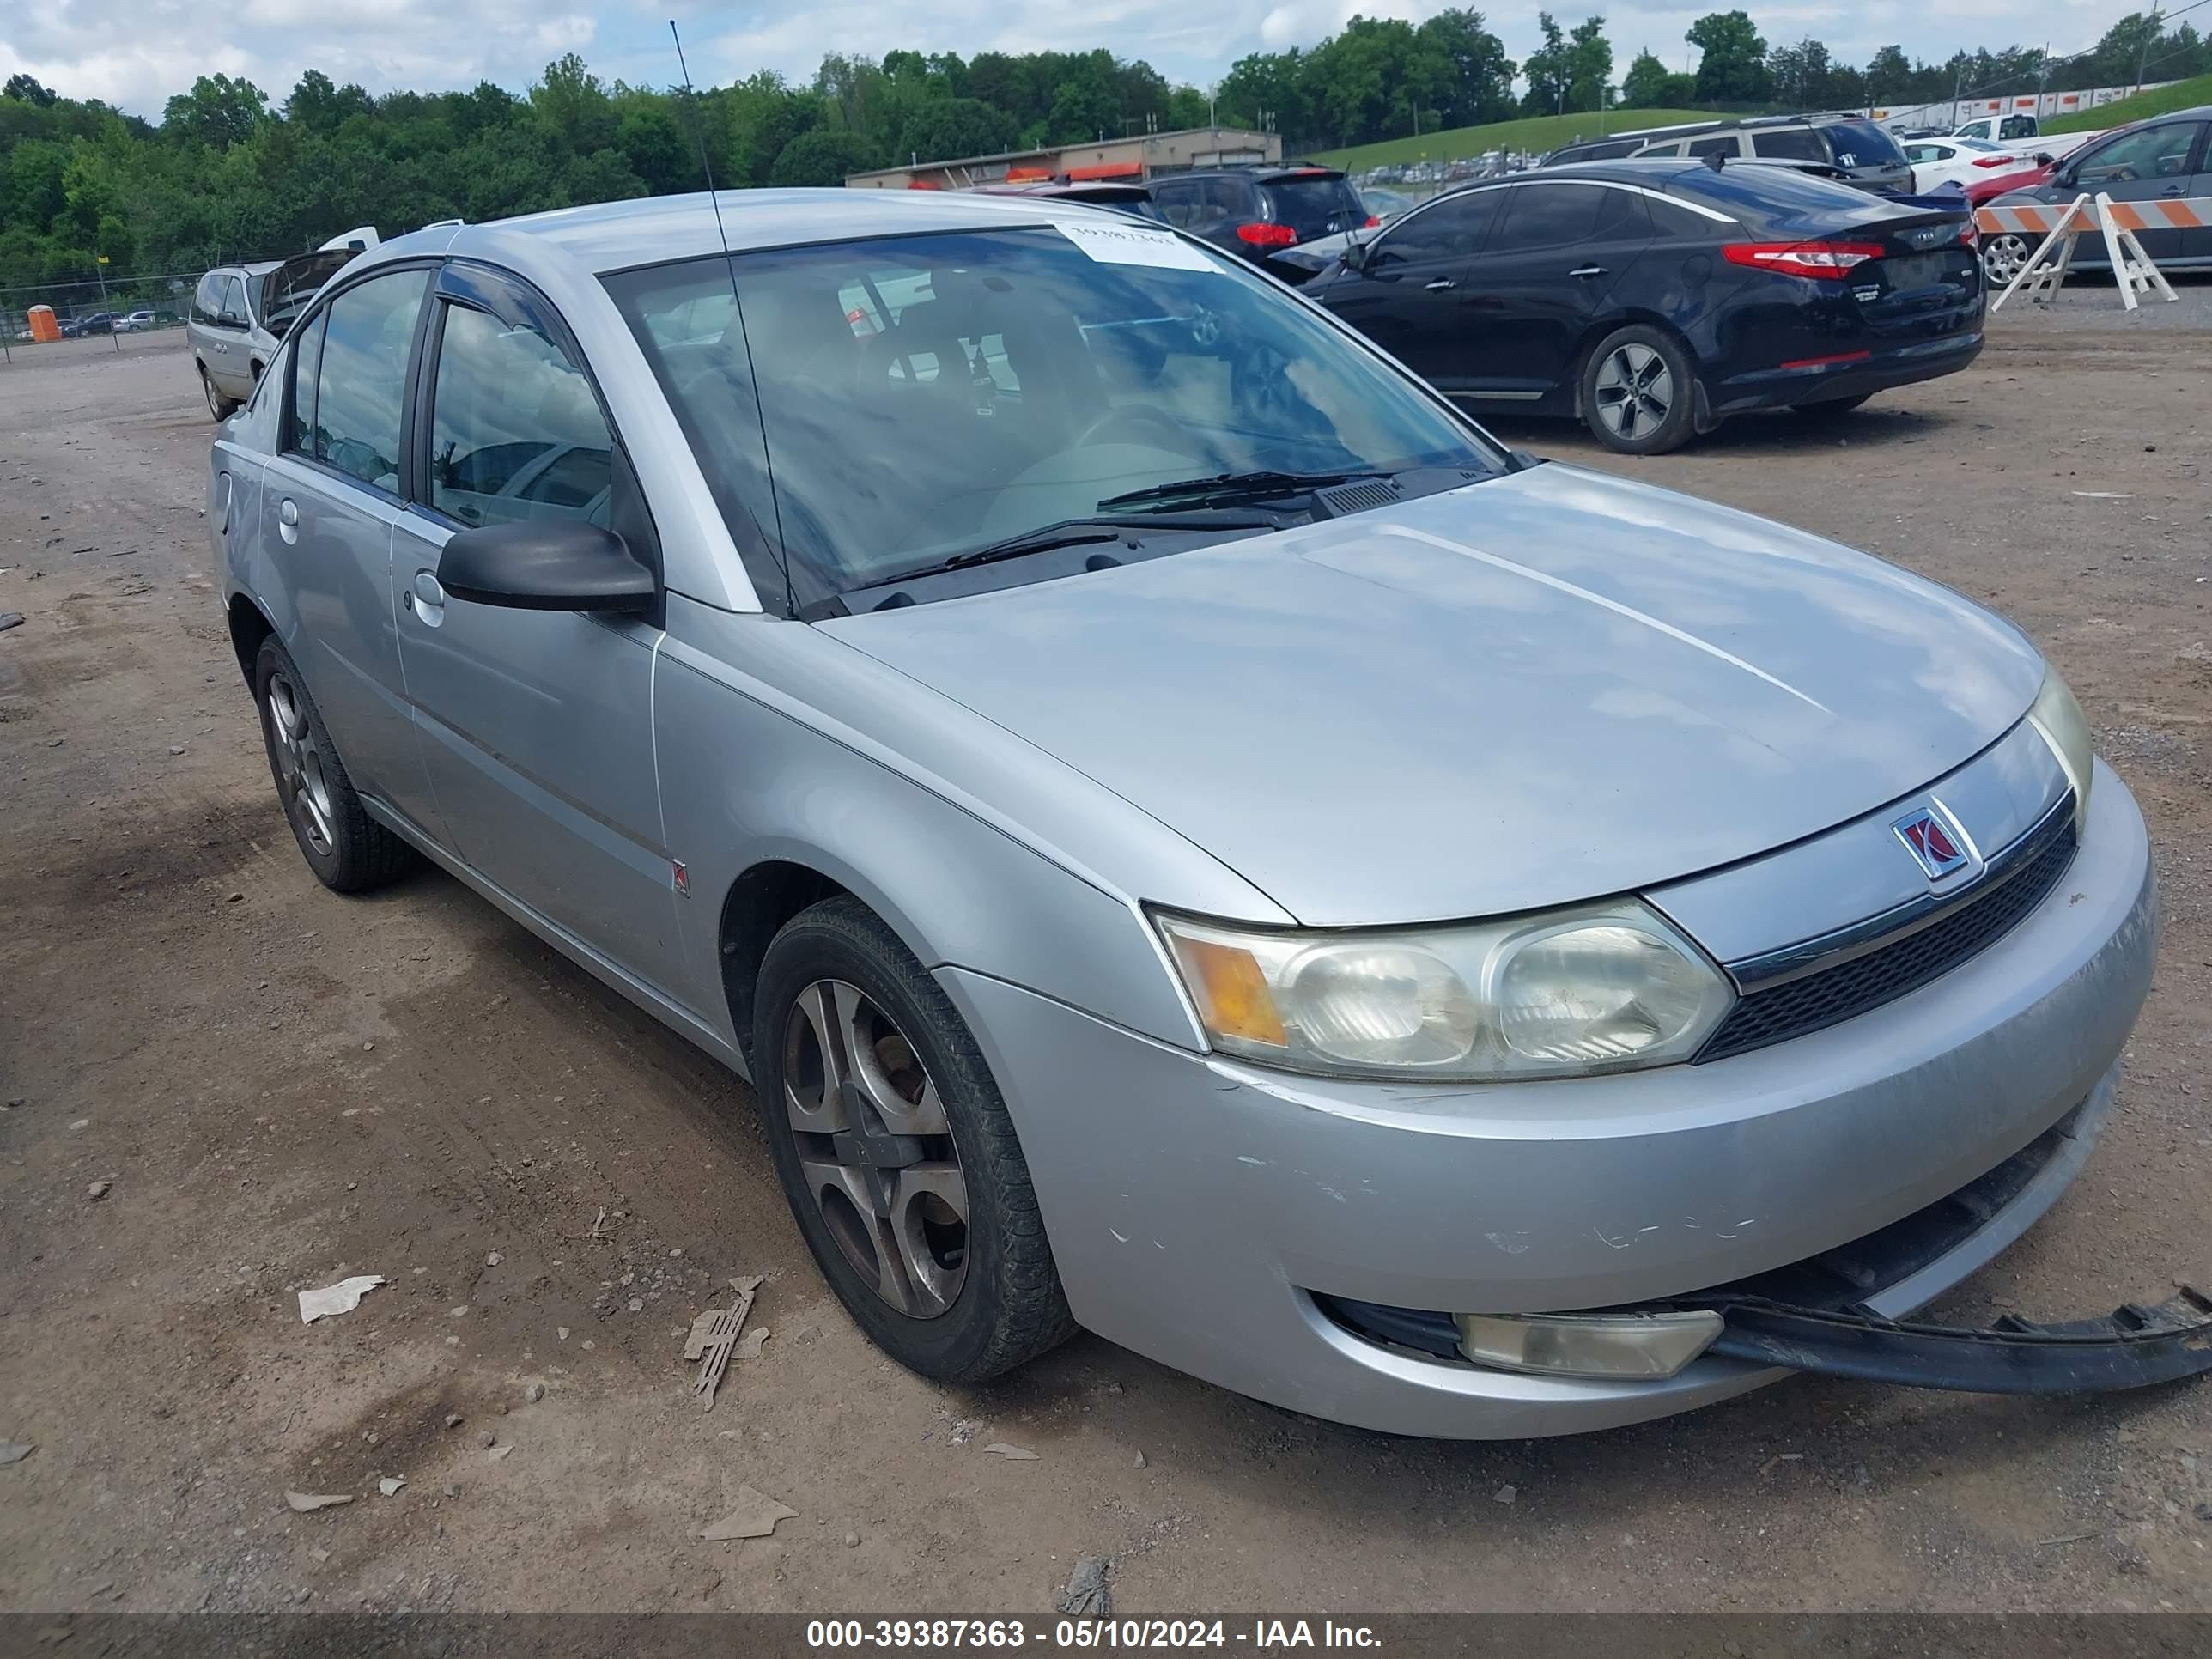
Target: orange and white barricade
point(2118, 222)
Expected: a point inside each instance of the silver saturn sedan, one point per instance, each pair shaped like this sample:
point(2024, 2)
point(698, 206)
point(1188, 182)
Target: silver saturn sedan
point(1186, 835)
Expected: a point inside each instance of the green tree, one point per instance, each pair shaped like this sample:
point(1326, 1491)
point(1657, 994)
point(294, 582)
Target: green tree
point(1481, 87)
point(1549, 70)
point(28, 89)
point(821, 156)
point(1732, 65)
point(948, 127)
point(575, 106)
point(1644, 86)
point(218, 112)
point(1589, 65)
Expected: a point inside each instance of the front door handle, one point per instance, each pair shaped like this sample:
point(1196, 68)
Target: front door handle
point(1440, 284)
point(288, 520)
point(425, 599)
point(2175, 190)
point(1587, 271)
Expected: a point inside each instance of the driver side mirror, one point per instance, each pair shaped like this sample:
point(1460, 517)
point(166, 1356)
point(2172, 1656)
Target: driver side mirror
point(1355, 256)
point(546, 564)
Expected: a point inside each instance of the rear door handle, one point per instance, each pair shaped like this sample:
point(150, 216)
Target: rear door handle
point(1589, 270)
point(1441, 284)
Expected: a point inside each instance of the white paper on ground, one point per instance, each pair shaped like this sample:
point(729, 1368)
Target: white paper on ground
point(341, 1298)
point(1134, 244)
point(755, 1516)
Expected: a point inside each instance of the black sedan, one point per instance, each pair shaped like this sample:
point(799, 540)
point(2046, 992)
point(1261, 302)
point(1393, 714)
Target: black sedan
point(1652, 299)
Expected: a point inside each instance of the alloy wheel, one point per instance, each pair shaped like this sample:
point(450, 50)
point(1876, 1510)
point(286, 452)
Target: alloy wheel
point(875, 1148)
point(2003, 257)
point(301, 775)
point(1634, 391)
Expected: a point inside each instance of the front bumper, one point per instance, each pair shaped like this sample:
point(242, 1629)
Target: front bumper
point(1196, 1207)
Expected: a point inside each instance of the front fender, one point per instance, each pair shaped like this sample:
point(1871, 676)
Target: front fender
point(761, 759)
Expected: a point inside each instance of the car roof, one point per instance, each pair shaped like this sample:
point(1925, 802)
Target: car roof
point(660, 229)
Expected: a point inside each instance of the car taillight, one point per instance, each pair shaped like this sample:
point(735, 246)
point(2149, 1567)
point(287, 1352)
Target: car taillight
point(1997, 160)
point(1369, 222)
point(1260, 235)
point(1826, 261)
point(1970, 233)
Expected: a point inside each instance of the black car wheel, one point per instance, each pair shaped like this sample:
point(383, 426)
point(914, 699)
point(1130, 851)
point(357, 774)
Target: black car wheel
point(896, 1153)
point(1639, 392)
point(1831, 408)
point(349, 851)
point(218, 406)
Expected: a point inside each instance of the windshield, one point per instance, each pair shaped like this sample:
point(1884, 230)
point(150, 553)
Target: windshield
point(925, 396)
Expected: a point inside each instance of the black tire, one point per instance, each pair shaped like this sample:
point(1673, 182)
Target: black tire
point(1639, 392)
point(1832, 409)
point(219, 406)
point(1008, 1307)
point(349, 851)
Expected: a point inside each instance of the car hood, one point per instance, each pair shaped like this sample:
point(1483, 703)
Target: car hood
point(1546, 688)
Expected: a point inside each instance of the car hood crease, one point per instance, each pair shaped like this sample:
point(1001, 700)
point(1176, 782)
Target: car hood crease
point(1551, 687)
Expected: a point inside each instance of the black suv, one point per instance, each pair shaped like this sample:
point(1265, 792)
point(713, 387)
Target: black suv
point(1868, 156)
point(1258, 211)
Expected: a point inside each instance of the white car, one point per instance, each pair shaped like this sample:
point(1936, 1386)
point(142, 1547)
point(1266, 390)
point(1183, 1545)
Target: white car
point(1940, 161)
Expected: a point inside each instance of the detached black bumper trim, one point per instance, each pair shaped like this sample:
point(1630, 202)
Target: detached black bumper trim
point(2131, 1347)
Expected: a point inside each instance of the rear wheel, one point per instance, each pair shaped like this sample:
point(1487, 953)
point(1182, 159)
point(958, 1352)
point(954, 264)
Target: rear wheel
point(1639, 389)
point(896, 1153)
point(218, 406)
point(349, 851)
point(1831, 408)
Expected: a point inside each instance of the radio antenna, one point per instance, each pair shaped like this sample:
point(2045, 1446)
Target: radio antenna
point(729, 264)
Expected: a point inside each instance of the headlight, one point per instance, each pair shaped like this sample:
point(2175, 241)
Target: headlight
point(1603, 987)
point(2056, 715)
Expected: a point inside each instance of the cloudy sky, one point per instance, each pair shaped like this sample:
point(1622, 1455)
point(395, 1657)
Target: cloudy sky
point(135, 52)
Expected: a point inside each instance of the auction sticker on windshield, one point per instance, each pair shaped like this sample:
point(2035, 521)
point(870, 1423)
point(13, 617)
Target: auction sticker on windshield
point(1129, 245)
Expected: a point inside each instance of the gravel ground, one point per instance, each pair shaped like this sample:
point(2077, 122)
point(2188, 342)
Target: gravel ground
point(284, 1087)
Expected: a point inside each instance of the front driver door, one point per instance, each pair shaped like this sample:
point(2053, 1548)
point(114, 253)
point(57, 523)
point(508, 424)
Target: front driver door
point(536, 727)
point(1544, 279)
point(1410, 295)
point(2149, 165)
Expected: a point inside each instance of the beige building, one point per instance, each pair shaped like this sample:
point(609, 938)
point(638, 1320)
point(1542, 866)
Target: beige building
point(1134, 158)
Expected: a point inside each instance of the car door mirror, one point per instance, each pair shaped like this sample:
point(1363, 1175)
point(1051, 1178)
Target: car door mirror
point(229, 319)
point(545, 564)
point(1355, 256)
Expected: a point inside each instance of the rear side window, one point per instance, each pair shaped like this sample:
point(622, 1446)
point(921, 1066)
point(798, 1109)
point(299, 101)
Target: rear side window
point(1721, 144)
point(515, 432)
point(1546, 215)
point(1176, 200)
point(307, 371)
point(1862, 145)
point(1454, 227)
point(1620, 218)
point(361, 380)
point(1672, 149)
point(1789, 144)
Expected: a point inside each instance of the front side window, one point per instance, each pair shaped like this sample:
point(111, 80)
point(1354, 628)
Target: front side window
point(515, 432)
point(361, 377)
point(2153, 153)
point(1031, 376)
point(230, 308)
point(1454, 228)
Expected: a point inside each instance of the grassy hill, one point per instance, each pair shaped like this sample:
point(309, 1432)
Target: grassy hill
point(1534, 133)
point(2182, 94)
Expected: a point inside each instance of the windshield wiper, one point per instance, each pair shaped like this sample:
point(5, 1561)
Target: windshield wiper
point(1075, 532)
point(1230, 486)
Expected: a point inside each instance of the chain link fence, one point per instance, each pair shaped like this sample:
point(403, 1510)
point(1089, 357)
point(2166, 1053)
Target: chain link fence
point(126, 308)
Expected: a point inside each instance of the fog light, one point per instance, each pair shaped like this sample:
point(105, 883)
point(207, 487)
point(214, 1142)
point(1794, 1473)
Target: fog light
point(1652, 1345)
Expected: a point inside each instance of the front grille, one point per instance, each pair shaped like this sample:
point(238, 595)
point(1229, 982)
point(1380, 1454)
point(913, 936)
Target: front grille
point(1830, 995)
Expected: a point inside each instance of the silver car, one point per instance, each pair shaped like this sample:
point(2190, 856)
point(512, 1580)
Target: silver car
point(238, 317)
point(1188, 837)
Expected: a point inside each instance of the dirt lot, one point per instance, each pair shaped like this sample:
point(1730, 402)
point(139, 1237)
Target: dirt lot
point(285, 1087)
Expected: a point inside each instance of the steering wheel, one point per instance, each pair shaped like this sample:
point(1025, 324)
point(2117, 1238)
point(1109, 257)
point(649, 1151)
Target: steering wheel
point(1139, 423)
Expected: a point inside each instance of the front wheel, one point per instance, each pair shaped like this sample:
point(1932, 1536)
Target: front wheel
point(896, 1153)
point(221, 407)
point(1639, 392)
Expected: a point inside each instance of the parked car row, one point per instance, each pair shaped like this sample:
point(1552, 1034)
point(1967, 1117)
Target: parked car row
point(1188, 836)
